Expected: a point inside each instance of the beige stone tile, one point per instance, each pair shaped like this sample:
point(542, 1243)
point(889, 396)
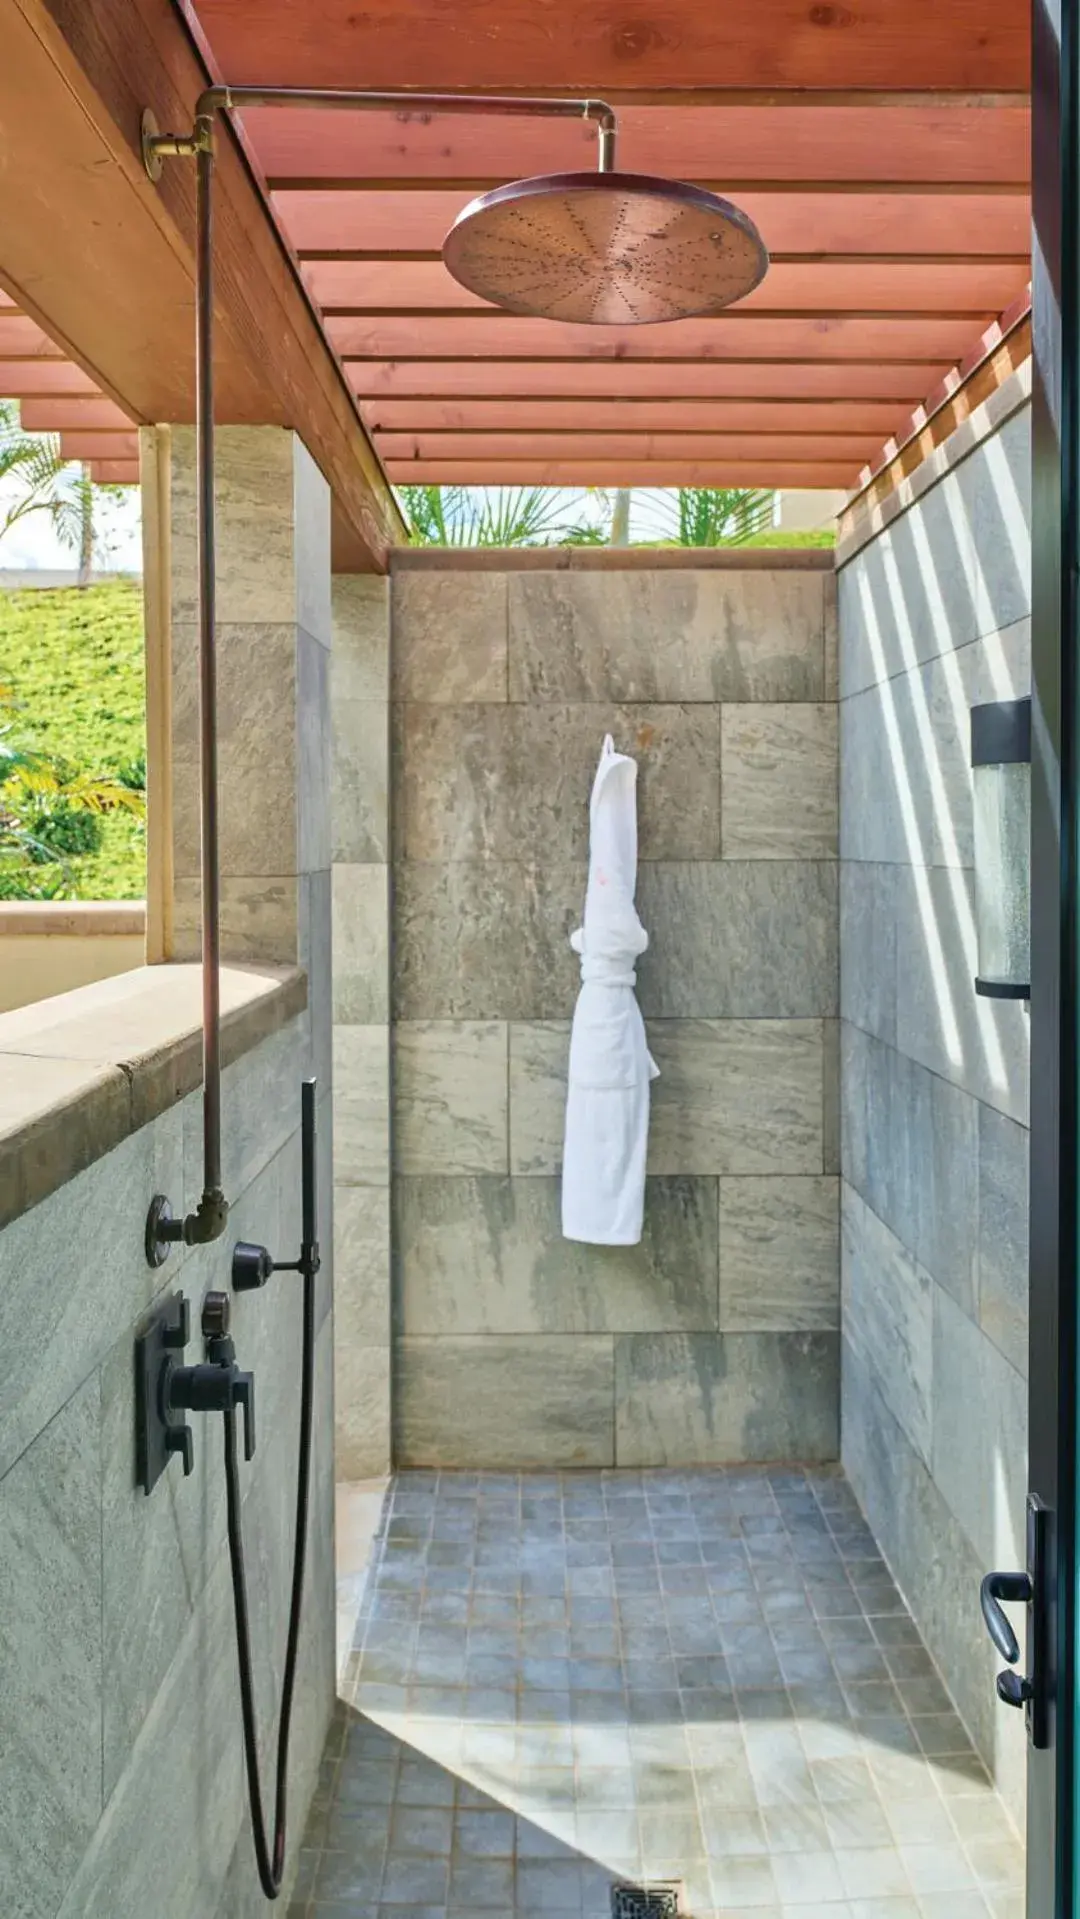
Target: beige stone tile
point(490, 1404)
point(477, 939)
point(513, 782)
point(487, 1256)
point(361, 755)
point(539, 1053)
point(693, 1399)
point(256, 524)
point(736, 1096)
point(362, 1105)
point(780, 787)
point(448, 636)
point(361, 1409)
point(450, 1096)
point(779, 1255)
point(258, 919)
point(685, 635)
point(361, 943)
point(361, 650)
point(361, 1266)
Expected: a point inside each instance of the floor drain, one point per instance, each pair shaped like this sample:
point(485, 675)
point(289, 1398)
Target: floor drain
point(630, 1902)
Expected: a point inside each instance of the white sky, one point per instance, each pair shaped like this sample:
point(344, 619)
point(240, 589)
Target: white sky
point(32, 543)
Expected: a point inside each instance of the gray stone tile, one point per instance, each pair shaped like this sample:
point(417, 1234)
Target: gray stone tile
point(258, 919)
point(699, 1399)
point(486, 1256)
point(314, 758)
point(451, 1096)
point(830, 1097)
point(911, 1149)
point(979, 1444)
point(361, 944)
point(705, 636)
point(780, 787)
point(259, 473)
point(257, 743)
point(978, 1043)
point(449, 636)
point(739, 939)
point(504, 1403)
point(994, 488)
point(362, 1105)
point(736, 1096)
point(50, 1663)
point(888, 1316)
point(513, 782)
point(486, 940)
point(1003, 1235)
point(868, 943)
point(733, 1096)
point(779, 1255)
point(877, 818)
point(539, 1057)
point(360, 605)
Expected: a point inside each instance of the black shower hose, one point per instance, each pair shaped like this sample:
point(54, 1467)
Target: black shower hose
point(272, 1869)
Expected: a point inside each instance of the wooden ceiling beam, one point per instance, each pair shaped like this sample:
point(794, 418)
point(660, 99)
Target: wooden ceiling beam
point(485, 448)
point(96, 414)
point(103, 259)
point(44, 380)
point(863, 144)
point(687, 142)
point(560, 44)
point(586, 472)
point(835, 287)
point(748, 336)
point(971, 224)
point(114, 472)
point(465, 417)
point(100, 446)
point(808, 379)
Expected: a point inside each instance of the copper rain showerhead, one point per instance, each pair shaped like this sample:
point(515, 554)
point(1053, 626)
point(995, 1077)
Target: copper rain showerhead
point(605, 249)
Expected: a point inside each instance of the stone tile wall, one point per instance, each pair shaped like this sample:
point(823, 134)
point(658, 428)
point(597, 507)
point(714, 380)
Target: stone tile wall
point(122, 1789)
point(717, 1338)
point(933, 619)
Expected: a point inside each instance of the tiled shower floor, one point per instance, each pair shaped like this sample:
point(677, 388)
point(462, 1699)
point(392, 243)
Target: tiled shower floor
point(563, 1683)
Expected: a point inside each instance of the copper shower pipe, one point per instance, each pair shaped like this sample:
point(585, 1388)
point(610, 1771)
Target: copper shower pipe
point(209, 1218)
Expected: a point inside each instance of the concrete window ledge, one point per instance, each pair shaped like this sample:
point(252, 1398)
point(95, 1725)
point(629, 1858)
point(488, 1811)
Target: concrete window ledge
point(81, 1071)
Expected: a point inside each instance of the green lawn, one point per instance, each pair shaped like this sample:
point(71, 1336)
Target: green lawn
point(73, 658)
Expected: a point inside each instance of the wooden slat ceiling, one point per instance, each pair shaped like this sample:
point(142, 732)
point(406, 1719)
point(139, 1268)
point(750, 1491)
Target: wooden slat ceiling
point(55, 396)
point(882, 149)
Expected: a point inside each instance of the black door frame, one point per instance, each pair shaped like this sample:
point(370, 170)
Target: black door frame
point(1054, 906)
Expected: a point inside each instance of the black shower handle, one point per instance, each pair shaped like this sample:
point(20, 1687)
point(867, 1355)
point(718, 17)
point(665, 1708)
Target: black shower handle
point(1015, 1589)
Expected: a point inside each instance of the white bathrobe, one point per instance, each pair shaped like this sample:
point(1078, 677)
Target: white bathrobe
point(607, 1101)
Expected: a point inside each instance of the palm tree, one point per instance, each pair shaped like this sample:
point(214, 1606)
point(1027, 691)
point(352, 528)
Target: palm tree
point(44, 482)
point(489, 516)
point(721, 515)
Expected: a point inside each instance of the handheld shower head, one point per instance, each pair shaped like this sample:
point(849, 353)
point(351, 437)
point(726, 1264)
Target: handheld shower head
point(605, 249)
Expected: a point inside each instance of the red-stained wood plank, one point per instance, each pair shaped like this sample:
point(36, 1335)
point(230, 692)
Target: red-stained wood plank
point(114, 472)
point(53, 415)
point(825, 417)
point(44, 379)
point(836, 287)
point(23, 339)
point(740, 336)
point(482, 449)
point(876, 379)
point(957, 225)
point(99, 446)
point(866, 143)
point(587, 472)
point(570, 47)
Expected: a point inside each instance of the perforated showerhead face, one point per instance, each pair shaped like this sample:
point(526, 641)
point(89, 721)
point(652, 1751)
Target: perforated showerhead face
point(605, 249)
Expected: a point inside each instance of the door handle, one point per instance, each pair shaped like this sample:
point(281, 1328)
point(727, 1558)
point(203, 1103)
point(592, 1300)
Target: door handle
point(1029, 1691)
point(1015, 1589)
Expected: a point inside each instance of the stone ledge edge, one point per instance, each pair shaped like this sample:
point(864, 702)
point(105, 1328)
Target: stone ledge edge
point(586, 559)
point(115, 1099)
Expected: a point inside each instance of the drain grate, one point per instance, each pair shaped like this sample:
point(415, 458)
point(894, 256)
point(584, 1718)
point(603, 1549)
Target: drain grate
point(631, 1902)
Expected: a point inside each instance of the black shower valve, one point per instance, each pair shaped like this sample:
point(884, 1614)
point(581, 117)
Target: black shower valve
point(252, 1266)
point(218, 1384)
